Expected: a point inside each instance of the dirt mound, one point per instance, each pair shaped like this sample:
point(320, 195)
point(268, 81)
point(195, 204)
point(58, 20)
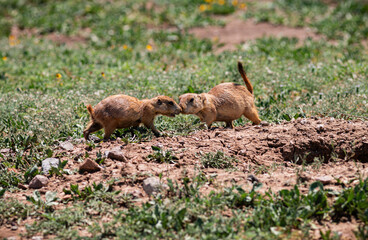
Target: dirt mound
point(237, 31)
point(270, 153)
point(258, 150)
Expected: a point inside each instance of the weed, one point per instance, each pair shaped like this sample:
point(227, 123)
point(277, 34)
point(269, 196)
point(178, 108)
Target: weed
point(100, 158)
point(59, 170)
point(352, 202)
point(327, 235)
point(161, 156)
point(13, 209)
point(218, 160)
point(362, 232)
point(86, 192)
point(31, 173)
point(51, 200)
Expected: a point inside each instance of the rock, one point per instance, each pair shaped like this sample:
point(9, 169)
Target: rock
point(153, 185)
point(324, 179)
point(37, 238)
point(303, 177)
point(22, 186)
point(5, 150)
point(48, 163)
point(320, 128)
point(264, 123)
point(68, 146)
point(252, 178)
point(78, 156)
point(89, 166)
point(80, 140)
point(287, 183)
point(243, 152)
point(38, 181)
point(304, 121)
point(116, 155)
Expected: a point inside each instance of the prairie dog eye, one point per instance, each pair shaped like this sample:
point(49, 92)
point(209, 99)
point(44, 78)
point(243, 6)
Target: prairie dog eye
point(191, 100)
point(171, 103)
point(159, 102)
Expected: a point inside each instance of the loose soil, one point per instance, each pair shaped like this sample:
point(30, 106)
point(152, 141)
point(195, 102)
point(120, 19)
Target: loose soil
point(278, 155)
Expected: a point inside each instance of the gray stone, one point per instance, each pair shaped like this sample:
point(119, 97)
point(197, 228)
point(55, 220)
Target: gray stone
point(68, 146)
point(116, 155)
point(153, 185)
point(304, 121)
point(89, 166)
point(38, 181)
point(264, 123)
point(94, 138)
point(5, 150)
point(320, 128)
point(37, 238)
point(48, 163)
point(324, 179)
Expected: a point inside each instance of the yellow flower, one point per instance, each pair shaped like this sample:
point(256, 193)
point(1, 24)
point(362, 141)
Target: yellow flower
point(103, 74)
point(242, 6)
point(203, 7)
point(13, 40)
point(235, 2)
point(221, 2)
point(5, 58)
point(125, 47)
point(149, 47)
point(58, 75)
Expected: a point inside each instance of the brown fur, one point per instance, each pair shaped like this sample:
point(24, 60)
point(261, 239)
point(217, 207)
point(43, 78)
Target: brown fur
point(225, 102)
point(122, 111)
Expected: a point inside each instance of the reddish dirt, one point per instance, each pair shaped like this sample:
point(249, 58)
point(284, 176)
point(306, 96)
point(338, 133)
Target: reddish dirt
point(278, 155)
point(237, 31)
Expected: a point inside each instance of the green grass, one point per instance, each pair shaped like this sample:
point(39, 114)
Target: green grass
point(287, 213)
point(44, 87)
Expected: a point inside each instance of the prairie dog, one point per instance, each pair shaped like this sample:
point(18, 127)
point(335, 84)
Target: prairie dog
point(122, 111)
point(225, 102)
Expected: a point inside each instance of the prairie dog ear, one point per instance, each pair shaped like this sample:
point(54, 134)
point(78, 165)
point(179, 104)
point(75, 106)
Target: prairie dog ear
point(202, 97)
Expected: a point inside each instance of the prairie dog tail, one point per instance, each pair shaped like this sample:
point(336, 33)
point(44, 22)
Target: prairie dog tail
point(90, 111)
point(245, 78)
